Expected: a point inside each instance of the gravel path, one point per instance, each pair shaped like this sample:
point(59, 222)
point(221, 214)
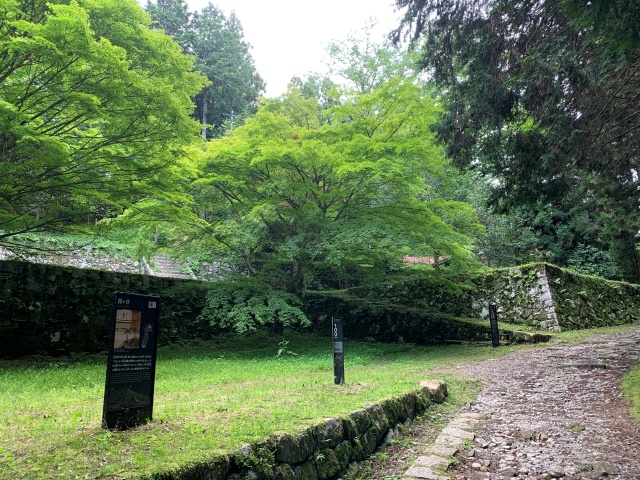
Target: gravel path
point(556, 412)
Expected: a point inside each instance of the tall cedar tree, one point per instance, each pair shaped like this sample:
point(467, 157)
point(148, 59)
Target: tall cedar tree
point(221, 54)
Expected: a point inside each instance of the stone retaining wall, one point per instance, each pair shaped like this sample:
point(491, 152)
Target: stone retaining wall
point(319, 452)
point(552, 298)
point(522, 294)
point(48, 309)
point(418, 310)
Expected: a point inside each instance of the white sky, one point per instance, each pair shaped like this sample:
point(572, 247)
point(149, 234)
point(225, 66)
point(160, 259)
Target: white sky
point(289, 37)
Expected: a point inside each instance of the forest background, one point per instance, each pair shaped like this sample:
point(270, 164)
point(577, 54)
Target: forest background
point(482, 133)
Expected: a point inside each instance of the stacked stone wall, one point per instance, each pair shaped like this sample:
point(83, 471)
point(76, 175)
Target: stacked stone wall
point(48, 309)
point(537, 295)
point(523, 295)
point(552, 298)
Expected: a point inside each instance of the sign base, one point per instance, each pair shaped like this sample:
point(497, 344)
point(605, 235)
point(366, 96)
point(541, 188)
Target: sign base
point(127, 418)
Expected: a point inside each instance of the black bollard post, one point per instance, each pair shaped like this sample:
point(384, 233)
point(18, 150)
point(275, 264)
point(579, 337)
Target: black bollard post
point(493, 320)
point(338, 351)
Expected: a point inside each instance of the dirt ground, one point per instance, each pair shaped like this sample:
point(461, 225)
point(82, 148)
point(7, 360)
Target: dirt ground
point(555, 412)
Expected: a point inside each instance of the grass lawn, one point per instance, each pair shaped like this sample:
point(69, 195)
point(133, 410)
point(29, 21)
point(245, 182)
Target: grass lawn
point(209, 399)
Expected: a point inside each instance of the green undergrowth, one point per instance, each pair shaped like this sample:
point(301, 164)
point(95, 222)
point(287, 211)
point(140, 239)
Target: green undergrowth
point(631, 389)
point(209, 399)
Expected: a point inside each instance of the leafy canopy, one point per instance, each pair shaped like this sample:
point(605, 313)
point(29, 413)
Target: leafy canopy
point(94, 108)
point(221, 54)
point(290, 192)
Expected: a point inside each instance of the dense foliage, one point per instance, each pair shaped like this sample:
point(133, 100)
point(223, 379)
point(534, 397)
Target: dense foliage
point(302, 189)
point(542, 97)
point(94, 107)
point(250, 305)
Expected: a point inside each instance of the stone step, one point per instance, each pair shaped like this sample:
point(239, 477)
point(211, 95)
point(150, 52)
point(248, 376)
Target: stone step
point(434, 460)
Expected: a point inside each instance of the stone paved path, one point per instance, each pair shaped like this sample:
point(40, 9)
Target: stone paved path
point(437, 458)
point(556, 412)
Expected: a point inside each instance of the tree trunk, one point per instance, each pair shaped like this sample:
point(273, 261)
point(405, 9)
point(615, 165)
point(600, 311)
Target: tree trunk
point(204, 108)
point(436, 261)
point(247, 262)
point(295, 282)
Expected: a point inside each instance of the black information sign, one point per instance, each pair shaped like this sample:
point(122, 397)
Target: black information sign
point(493, 320)
point(338, 351)
point(131, 367)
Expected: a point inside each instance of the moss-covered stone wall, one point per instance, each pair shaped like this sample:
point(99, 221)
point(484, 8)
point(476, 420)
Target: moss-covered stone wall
point(47, 309)
point(50, 309)
point(522, 295)
point(582, 301)
point(420, 310)
point(365, 320)
point(552, 298)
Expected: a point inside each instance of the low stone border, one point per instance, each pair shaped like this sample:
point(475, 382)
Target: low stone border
point(319, 452)
point(528, 337)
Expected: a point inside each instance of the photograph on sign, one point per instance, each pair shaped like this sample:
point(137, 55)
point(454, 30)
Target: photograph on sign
point(127, 334)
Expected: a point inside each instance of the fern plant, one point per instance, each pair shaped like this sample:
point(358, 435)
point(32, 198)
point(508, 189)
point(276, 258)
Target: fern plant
point(252, 304)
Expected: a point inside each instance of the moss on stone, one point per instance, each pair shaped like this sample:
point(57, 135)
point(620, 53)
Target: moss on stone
point(284, 472)
point(329, 433)
point(393, 409)
point(349, 428)
point(295, 448)
point(327, 464)
point(343, 454)
point(307, 471)
point(369, 442)
point(361, 421)
point(379, 421)
point(357, 450)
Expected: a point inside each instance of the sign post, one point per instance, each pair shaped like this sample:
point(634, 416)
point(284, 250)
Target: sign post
point(493, 321)
point(338, 351)
point(131, 366)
